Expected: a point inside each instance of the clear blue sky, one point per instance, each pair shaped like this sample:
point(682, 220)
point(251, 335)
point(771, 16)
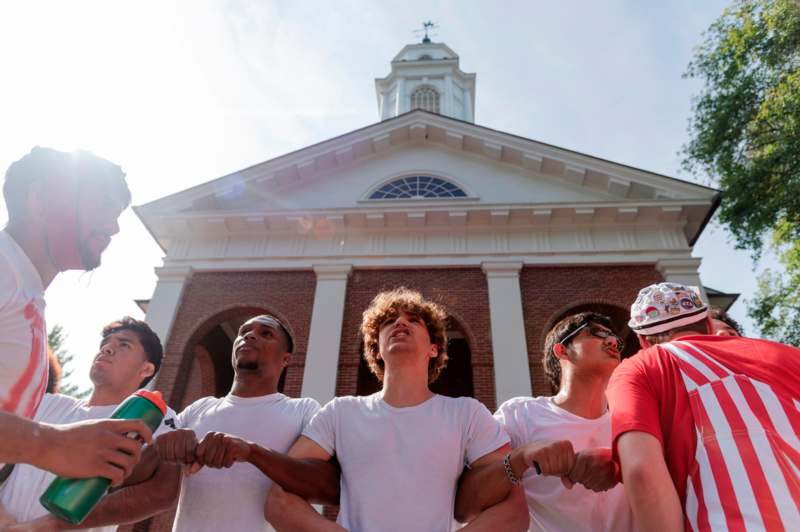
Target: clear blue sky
point(179, 93)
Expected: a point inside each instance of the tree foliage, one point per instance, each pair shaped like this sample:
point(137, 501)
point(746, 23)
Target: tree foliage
point(55, 339)
point(745, 134)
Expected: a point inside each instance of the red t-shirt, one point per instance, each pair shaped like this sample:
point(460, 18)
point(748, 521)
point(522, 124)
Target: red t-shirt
point(646, 392)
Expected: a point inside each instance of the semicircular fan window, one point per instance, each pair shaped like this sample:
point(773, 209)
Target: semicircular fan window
point(419, 186)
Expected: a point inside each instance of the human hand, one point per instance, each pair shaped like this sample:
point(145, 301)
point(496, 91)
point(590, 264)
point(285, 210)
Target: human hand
point(553, 458)
point(178, 446)
point(96, 448)
point(221, 450)
point(595, 469)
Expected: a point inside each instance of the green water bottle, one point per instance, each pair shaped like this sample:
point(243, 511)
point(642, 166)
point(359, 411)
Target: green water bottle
point(71, 499)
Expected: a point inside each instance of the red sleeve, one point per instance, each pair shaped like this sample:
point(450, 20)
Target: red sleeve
point(632, 399)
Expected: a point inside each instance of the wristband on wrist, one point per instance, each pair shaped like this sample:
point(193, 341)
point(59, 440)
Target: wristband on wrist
point(509, 471)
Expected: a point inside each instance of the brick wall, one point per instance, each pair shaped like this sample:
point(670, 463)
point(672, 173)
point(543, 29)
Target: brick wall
point(462, 291)
point(212, 298)
point(549, 292)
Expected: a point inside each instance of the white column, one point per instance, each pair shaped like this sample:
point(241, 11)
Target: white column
point(683, 271)
point(402, 104)
point(322, 356)
point(511, 369)
point(447, 98)
point(163, 306)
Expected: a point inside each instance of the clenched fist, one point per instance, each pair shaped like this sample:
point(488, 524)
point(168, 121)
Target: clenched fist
point(553, 458)
point(222, 450)
point(595, 469)
point(177, 446)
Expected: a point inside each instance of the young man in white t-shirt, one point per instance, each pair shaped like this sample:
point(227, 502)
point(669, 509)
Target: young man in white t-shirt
point(219, 494)
point(62, 212)
point(581, 352)
point(130, 354)
point(401, 450)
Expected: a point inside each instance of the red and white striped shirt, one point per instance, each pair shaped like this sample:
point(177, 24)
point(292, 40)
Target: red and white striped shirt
point(23, 334)
point(747, 463)
point(727, 412)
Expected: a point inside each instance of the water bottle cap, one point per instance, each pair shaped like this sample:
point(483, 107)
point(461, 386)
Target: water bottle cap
point(154, 397)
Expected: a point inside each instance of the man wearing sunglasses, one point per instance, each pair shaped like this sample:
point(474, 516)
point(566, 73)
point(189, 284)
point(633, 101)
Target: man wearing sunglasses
point(581, 351)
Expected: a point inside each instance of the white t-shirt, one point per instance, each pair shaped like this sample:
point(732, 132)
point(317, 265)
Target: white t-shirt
point(233, 499)
point(23, 334)
point(400, 466)
point(20, 493)
point(552, 506)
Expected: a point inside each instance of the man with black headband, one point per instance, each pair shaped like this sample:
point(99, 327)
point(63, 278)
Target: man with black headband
point(233, 498)
point(62, 213)
point(567, 435)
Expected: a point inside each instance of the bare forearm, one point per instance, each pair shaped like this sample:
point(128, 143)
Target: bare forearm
point(147, 467)
point(648, 485)
point(134, 503)
point(21, 440)
point(314, 480)
point(482, 487)
point(510, 514)
point(654, 506)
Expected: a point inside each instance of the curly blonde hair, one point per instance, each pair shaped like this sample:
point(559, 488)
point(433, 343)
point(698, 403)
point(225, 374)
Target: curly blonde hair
point(385, 307)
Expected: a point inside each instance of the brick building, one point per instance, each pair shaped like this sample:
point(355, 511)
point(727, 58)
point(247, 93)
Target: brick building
point(510, 234)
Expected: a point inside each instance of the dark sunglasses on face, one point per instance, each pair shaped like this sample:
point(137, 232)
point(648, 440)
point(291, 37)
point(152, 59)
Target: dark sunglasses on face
point(596, 332)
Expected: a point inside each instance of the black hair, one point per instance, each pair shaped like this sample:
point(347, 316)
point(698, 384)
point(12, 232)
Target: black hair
point(149, 340)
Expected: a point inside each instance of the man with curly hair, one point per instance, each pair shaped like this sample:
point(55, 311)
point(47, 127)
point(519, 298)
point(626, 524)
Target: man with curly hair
point(402, 449)
point(580, 353)
point(404, 444)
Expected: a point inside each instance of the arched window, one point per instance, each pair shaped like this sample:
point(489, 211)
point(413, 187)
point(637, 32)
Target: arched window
point(426, 98)
point(418, 186)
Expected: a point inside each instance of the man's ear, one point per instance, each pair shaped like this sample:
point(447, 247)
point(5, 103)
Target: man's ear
point(286, 357)
point(709, 325)
point(560, 351)
point(434, 352)
point(643, 343)
point(147, 370)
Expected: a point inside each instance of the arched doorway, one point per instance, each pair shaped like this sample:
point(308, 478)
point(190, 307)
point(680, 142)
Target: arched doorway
point(619, 317)
point(455, 380)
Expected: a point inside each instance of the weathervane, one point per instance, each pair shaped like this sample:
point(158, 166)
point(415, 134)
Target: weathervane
point(426, 26)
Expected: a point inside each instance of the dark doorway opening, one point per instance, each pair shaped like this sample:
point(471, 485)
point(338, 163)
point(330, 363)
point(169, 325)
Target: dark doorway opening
point(454, 381)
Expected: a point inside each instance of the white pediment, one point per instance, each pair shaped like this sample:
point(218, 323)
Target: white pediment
point(507, 179)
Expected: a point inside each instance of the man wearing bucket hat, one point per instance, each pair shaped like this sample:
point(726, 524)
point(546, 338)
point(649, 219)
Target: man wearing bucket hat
point(221, 493)
point(706, 428)
point(62, 213)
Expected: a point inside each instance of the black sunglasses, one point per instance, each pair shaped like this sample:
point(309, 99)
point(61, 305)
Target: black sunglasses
point(597, 332)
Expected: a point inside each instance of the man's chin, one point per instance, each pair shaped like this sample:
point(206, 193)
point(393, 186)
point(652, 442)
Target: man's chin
point(248, 370)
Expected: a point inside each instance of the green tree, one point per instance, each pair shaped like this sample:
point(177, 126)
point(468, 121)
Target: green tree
point(55, 339)
point(745, 135)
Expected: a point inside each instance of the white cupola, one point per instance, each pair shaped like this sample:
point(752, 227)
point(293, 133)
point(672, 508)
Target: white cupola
point(427, 76)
